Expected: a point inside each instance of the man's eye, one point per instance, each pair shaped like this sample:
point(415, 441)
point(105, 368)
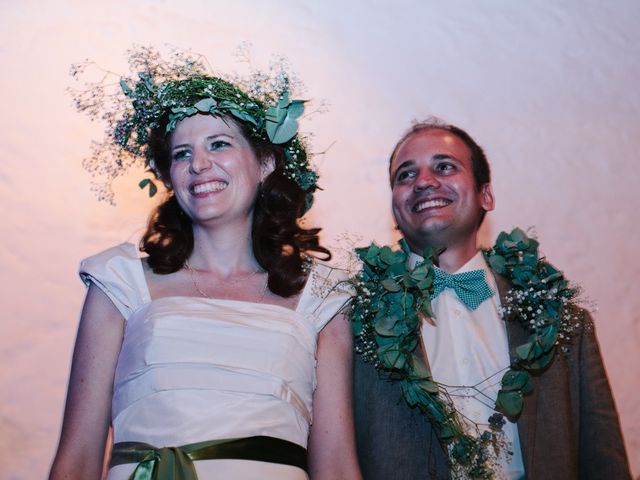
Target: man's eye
point(218, 144)
point(404, 175)
point(445, 167)
point(181, 155)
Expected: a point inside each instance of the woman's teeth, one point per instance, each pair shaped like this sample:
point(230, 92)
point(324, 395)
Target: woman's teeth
point(209, 187)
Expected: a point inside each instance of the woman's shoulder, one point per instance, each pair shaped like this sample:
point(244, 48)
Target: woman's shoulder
point(327, 279)
point(327, 292)
point(118, 272)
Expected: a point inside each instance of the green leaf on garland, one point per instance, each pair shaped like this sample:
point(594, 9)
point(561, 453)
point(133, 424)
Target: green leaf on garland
point(425, 308)
point(428, 386)
point(125, 88)
point(281, 119)
point(509, 402)
point(390, 285)
point(515, 380)
point(152, 186)
point(391, 356)
point(543, 361)
point(205, 105)
point(385, 326)
point(523, 351)
point(404, 246)
point(497, 263)
point(388, 256)
point(420, 368)
point(548, 337)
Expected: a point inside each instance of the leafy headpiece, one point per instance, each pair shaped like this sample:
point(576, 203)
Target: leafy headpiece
point(161, 91)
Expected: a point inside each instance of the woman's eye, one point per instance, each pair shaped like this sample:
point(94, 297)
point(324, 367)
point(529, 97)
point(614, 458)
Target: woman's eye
point(218, 144)
point(181, 155)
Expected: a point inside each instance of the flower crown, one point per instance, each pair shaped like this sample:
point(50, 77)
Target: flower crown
point(169, 91)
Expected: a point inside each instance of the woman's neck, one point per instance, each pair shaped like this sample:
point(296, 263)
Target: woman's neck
point(226, 250)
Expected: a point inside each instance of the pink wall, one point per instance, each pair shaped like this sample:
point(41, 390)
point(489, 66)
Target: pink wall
point(550, 90)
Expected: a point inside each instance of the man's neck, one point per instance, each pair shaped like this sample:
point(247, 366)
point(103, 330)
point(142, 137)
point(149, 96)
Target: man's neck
point(456, 255)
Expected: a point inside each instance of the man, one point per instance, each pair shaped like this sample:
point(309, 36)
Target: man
point(568, 428)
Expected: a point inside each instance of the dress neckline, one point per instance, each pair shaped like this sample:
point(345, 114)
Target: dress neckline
point(143, 278)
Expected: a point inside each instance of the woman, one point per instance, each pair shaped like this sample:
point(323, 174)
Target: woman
point(202, 356)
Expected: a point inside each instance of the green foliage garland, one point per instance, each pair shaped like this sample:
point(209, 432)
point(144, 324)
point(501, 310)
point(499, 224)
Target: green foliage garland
point(390, 300)
point(170, 90)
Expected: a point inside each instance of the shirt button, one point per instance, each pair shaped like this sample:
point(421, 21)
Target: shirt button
point(457, 313)
point(465, 361)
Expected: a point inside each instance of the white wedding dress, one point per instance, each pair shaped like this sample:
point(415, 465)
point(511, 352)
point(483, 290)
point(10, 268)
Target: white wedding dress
point(193, 369)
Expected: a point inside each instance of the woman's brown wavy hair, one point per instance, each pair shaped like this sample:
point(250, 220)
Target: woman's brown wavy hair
point(281, 246)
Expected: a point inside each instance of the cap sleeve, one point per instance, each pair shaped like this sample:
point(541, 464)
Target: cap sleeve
point(118, 273)
point(326, 294)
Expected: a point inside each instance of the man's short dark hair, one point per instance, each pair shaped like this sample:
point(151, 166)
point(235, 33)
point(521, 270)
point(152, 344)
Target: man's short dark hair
point(480, 165)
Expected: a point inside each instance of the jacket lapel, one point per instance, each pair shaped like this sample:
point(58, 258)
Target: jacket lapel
point(517, 335)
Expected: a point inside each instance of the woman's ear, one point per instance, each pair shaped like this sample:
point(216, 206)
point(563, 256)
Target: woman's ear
point(267, 166)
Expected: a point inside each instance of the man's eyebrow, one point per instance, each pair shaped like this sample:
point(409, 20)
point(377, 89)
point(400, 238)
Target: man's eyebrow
point(443, 156)
point(406, 163)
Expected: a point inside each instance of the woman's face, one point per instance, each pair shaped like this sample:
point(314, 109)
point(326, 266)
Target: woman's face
point(214, 172)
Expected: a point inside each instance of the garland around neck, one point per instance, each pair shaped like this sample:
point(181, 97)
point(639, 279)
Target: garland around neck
point(390, 300)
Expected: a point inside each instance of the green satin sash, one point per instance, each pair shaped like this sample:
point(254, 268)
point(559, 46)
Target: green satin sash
point(176, 463)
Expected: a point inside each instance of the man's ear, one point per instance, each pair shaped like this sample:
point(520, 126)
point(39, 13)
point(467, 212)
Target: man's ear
point(487, 201)
point(267, 166)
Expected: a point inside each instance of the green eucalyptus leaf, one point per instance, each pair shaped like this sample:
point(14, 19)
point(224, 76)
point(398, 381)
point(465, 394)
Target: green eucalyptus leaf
point(523, 351)
point(420, 368)
point(420, 273)
point(428, 386)
point(397, 269)
point(391, 285)
point(244, 116)
point(185, 111)
point(425, 308)
point(542, 361)
point(391, 356)
point(152, 186)
point(385, 326)
point(205, 105)
point(509, 402)
point(387, 255)
point(515, 380)
point(281, 121)
point(125, 88)
point(548, 337)
point(498, 264)
point(404, 246)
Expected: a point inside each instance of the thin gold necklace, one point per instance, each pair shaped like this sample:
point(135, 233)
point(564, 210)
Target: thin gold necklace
point(235, 281)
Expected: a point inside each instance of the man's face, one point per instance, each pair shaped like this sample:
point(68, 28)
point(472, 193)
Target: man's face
point(435, 199)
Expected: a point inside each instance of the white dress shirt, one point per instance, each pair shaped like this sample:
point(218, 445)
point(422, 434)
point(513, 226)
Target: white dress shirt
point(470, 348)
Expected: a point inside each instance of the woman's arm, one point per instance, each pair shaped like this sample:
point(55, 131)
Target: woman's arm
point(88, 409)
point(332, 449)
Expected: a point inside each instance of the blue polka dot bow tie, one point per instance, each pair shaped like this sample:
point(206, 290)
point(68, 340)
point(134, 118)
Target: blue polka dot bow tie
point(471, 287)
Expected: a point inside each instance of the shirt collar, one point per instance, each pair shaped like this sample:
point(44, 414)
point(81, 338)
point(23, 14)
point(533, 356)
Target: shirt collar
point(477, 262)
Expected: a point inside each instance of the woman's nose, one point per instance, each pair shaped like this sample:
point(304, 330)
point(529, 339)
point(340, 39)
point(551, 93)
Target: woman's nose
point(200, 162)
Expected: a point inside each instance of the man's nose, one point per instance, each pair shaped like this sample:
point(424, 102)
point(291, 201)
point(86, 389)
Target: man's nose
point(425, 180)
point(200, 162)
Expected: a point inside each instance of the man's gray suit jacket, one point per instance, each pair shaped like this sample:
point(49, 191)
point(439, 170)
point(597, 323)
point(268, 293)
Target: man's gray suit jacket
point(568, 428)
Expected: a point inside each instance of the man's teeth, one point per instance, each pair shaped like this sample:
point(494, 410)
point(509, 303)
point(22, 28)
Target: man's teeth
point(209, 187)
point(440, 202)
